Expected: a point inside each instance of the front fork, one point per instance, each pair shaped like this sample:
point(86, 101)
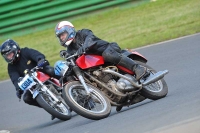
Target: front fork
point(77, 71)
point(45, 89)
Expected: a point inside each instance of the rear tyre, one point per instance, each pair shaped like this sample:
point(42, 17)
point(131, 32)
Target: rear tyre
point(154, 90)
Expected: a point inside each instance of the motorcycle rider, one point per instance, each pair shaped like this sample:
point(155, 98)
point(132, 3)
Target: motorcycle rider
point(84, 41)
point(20, 59)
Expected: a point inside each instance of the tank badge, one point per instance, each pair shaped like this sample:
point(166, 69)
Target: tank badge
point(29, 62)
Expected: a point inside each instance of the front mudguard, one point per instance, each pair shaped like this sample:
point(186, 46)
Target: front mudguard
point(35, 93)
point(134, 55)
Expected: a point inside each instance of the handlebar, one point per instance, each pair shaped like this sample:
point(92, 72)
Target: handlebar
point(71, 56)
point(75, 54)
point(36, 68)
point(32, 70)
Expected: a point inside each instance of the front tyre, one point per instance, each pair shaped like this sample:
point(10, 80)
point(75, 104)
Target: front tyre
point(95, 107)
point(154, 90)
point(58, 110)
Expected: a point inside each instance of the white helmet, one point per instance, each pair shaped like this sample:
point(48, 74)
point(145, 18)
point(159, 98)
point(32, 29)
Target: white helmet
point(65, 27)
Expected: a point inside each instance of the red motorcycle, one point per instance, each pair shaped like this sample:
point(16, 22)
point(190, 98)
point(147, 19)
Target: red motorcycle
point(46, 91)
point(92, 83)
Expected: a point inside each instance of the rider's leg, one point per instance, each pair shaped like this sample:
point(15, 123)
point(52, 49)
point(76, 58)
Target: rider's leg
point(132, 65)
point(113, 54)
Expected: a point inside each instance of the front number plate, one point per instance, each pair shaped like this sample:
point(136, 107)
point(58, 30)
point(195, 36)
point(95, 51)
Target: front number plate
point(26, 83)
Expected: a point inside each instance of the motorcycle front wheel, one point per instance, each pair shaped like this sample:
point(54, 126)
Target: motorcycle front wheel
point(58, 110)
point(95, 106)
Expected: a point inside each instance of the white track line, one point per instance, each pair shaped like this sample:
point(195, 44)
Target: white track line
point(166, 41)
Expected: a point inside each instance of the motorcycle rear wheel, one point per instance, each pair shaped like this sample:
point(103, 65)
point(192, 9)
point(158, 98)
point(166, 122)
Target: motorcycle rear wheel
point(95, 107)
point(156, 90)
point(58, 110)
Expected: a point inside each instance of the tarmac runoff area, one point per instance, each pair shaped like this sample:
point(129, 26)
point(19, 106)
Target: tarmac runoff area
point(188, 126)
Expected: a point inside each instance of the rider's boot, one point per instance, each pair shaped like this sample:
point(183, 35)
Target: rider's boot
point(119, 108)
point(132, 65)
point(52, 117)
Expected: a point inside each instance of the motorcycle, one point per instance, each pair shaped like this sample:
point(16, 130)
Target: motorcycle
point(46, 91)
point(93, 82)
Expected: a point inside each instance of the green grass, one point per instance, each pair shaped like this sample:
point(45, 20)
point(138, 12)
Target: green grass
point(130, 27)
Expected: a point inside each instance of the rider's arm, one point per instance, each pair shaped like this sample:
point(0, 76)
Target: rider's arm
point(33, 54)
point(14, 75)
point(89, 39)
point(92, 42)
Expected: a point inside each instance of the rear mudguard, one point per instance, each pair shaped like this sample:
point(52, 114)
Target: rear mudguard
point(134, 55)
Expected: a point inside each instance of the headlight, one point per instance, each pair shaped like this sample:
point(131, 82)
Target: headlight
point(60, 68)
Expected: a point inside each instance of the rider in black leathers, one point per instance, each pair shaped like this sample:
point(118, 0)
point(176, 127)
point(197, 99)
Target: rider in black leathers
point(84, 41)
point(19, 60)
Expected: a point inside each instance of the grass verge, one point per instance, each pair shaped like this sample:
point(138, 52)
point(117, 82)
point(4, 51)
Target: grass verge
point(130, 27)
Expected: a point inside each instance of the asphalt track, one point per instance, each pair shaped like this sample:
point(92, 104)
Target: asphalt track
point(178, 112)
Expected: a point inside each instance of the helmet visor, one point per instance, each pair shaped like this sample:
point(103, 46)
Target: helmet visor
point(9, 56)
point(63, 37)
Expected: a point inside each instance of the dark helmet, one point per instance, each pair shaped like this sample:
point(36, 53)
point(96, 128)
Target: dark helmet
point(68, 28)
point(10, 51)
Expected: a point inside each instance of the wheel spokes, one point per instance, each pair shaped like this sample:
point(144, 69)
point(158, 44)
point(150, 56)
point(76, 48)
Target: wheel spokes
point(92, 103)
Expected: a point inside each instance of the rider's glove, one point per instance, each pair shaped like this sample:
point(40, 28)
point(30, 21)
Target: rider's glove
point(19, 93)
point(42, 63)
point(80, 51)
point(63, 54)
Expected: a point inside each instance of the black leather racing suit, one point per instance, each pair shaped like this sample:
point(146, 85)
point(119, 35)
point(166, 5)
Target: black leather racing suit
point(91, 44)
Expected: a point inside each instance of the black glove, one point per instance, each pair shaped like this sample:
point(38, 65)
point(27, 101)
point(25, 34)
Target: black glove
point(19, 93)
point(63, 54)
point(42, 63)
point(80, 51)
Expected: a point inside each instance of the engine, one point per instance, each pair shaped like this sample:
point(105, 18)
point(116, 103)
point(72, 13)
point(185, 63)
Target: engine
point(115, 83)
point(114, 86)
point(124, 85)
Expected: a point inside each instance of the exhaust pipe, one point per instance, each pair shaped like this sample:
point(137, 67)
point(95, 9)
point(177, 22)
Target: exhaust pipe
point(149, 80)
point(155, 77)
point(122, 76)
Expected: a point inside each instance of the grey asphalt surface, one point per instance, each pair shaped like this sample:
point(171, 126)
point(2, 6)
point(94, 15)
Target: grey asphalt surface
point(178, 112)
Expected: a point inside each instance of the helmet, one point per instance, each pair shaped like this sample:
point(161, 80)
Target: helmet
point(10, 51)
point(65, 33)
